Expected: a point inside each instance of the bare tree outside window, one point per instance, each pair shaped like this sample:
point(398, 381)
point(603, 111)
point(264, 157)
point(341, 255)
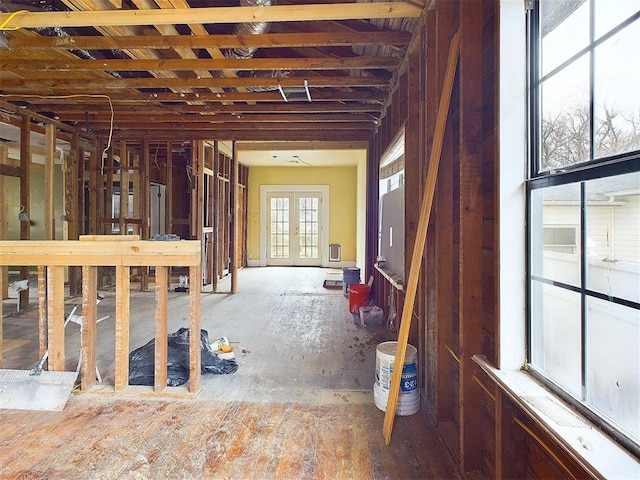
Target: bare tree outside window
point(566, 136)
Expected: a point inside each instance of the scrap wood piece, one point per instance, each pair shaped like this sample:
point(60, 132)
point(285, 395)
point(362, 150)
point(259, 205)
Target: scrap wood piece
point(421, 235)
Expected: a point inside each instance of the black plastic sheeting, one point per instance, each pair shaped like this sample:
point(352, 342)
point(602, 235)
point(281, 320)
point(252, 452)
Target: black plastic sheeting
point(142, 360)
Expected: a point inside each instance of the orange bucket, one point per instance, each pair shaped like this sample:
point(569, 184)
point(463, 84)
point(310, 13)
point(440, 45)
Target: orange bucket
point(358, 296)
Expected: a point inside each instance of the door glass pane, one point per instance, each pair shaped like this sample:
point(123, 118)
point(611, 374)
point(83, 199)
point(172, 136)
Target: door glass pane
point(613, 236)
point(279, 227)
point(309, 239)
point(613, 363)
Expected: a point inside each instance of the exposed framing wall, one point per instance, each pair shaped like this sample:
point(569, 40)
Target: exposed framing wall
point(457, 309)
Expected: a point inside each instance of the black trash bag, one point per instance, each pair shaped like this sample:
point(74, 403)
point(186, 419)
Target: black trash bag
point(142, 360)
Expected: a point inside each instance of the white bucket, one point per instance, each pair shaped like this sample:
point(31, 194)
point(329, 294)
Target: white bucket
point(406, 404)
point(408, 395)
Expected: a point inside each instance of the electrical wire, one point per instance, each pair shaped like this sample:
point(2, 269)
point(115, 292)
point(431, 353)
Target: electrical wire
point(79, 95)
point(4, 27)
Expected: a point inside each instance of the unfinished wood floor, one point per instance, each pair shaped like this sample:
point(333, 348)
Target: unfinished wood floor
point(299, 407)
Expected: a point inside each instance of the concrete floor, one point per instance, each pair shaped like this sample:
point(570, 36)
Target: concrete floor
point(300, 340)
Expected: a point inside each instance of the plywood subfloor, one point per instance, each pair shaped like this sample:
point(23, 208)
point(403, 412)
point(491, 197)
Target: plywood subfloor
point(300, 405)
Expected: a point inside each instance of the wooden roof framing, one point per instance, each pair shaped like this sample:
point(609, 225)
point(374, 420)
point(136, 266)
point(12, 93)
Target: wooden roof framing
point(323, 70)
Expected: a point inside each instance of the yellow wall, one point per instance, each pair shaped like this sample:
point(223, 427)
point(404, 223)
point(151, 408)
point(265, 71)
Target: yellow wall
point(342, 182)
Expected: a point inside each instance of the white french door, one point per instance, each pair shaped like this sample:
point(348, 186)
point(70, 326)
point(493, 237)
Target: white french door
point(295, 232)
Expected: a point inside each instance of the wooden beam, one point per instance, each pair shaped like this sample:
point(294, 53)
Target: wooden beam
point(58, 85)
point(250, 135)
point(10, 170)
point(250, 126)
point(125, 252)
point(100, 119)
point(266, 40)
point(177, 64)
point(212, 15)
point(421, 235)
point(20, 112)
point(212, 109)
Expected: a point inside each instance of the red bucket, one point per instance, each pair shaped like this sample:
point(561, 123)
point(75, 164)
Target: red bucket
point(358, 296)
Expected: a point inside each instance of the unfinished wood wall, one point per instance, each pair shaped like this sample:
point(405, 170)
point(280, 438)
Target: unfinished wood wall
point(456, 310)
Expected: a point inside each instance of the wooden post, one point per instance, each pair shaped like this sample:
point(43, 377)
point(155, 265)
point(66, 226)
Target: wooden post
point(122, 328)
point(73, 208)
point(55, 310)
point(42, 311)
point(195, 356)
point(25, 198)
point(200, 204)
point(4, 226)
point(2, 285)
point(49, 170)
point(160, 368)
point(216, 217)
point(145, 207)
point(94, 207)
point(471, 232)
point(421, 235)
point(89, 337)
point(441, 25)
point(106, 277)
point(124, 188)
point(233, 209)
point(413, 163)
point(168, 202)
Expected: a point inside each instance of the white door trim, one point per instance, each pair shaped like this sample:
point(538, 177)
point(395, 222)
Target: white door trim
point(324, 215)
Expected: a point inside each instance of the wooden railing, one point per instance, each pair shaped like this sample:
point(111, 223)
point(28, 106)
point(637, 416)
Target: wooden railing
point(121, 252)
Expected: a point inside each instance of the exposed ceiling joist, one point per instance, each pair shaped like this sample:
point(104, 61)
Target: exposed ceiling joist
point(267, 64)
point(265, 40)
point(172, 83)
point(167, 67)
point(212, 15)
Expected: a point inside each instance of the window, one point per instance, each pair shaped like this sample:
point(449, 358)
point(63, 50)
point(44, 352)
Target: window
point(560, 239)
point(584, 207)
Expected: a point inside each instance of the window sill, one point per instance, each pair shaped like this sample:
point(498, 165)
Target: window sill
point(594, 450)
point(391, 277)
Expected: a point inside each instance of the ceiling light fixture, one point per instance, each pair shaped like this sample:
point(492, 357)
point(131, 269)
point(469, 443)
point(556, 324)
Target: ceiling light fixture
point(306, 89)
point(284, 97)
